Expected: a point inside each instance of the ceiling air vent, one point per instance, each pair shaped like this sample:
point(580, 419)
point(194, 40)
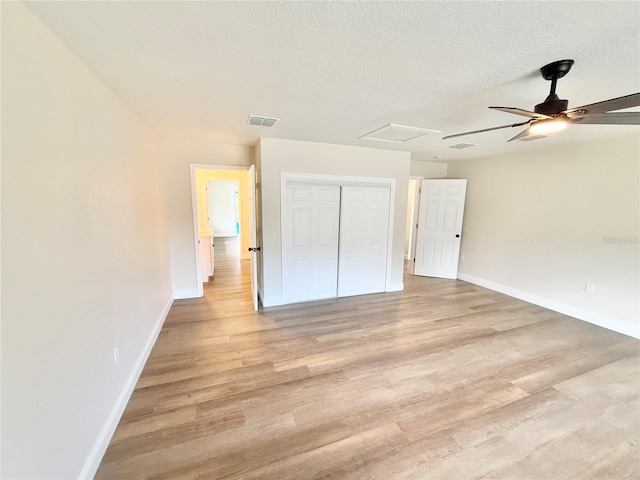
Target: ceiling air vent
point(261, 121)
point(460, 146)
point(394, 133)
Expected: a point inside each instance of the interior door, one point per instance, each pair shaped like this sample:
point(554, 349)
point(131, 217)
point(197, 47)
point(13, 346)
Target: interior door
point(364, 236)
point(310, 244)
point(439, 228)
point(254, 249)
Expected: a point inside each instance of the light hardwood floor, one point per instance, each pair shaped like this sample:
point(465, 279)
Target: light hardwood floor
point(444, 380)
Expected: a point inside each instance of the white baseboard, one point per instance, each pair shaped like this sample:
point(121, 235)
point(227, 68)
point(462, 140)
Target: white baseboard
point(610, 323)
point(186, 293)
point(395, 287)
point(100, 447)
point(272, 301)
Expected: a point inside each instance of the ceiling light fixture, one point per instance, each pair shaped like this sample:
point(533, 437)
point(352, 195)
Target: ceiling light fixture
point(542, 127)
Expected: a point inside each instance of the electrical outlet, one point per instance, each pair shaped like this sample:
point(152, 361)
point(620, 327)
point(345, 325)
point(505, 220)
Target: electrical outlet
point(116, 354)
point(589, 287)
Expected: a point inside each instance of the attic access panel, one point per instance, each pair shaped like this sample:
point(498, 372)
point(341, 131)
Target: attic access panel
point(395, 133)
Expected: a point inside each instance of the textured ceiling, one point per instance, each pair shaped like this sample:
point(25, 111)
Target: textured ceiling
point(333, 71)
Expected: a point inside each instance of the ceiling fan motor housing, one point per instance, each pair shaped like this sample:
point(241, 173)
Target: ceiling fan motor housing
point(552, 106)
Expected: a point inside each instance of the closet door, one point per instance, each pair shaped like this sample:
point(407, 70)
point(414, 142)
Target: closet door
point(310, 253)
point(364, 230)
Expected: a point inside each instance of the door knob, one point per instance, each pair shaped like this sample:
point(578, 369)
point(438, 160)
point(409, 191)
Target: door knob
point(457, 236)
point(257, 249)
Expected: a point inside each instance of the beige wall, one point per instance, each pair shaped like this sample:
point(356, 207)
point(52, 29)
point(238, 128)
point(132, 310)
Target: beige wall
point(176, 158)
point(277, 156)
point(547, 222)
point(428, 169)
point(84, 253)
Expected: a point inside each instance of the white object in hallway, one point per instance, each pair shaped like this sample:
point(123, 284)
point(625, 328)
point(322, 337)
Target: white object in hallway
point(206, 256)
point(364, 232)
point(440, 228)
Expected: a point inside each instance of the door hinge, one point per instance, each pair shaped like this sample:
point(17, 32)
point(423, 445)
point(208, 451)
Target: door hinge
point(414, 260)
point(416, 225)
point(420, 190)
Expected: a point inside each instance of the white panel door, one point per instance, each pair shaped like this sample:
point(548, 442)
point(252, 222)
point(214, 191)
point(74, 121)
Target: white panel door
point(364, 232)
point(439, 228)
point(310, 246)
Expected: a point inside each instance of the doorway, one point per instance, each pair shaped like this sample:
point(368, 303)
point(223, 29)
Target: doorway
point(228, 213)
point(411, 229)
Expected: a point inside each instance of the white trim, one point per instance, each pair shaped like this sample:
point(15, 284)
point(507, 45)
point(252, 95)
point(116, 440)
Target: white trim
point(273, 301)
point(187, 293)
point(414, 222)
point(196, 229)
point(390, 238)
point(209, 166)
point(341, 180)
point(395, 287)
point(194, 213)
point(610, 323)
point(100, 447)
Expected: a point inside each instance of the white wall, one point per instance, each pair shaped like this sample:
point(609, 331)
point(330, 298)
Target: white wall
point(428, 169)
point(176, 157)
point(277, 156)
point(544, 223)
point(84, 254)
point(222, 198)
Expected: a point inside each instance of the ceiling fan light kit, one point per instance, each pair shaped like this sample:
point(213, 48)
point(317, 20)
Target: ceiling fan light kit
point(548, 126)
point(554, 114)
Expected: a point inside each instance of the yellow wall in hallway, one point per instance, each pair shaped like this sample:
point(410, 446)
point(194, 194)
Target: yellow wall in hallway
point(203, 176)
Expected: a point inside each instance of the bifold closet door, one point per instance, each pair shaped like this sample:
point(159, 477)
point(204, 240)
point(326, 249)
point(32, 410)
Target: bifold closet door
point(310, 254)
point(364, 231)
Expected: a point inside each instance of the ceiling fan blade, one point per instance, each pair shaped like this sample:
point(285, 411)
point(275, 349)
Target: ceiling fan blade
point(619, 103)
point(520, 111)
point(487, 129)
point(526, 136)
point(621, 118)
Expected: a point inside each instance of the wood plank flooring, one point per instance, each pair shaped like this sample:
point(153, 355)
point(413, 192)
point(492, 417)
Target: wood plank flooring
point(445, 380)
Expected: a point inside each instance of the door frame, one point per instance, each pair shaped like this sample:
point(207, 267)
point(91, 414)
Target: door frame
point(340, 180)
point(414, 222)
point(194, 211)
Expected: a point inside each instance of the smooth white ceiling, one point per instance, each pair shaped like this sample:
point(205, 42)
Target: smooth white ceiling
point(333, 71)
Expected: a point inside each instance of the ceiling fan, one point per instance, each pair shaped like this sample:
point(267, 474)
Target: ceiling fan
point(553, 114)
